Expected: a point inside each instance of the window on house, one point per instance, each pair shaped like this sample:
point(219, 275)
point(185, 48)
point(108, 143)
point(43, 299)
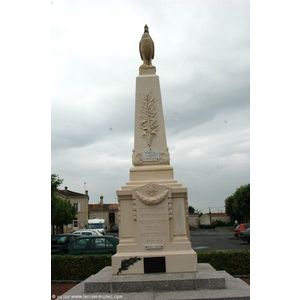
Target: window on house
point(112, 218)
point(77, 206)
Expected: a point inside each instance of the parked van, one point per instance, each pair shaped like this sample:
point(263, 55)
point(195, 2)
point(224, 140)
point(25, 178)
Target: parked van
point(97, 224)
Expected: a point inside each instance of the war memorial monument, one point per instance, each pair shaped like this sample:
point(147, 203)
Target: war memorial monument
point(154, 258)
point(153, 207)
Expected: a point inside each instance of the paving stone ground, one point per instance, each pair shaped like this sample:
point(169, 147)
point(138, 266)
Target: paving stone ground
point(58, 289)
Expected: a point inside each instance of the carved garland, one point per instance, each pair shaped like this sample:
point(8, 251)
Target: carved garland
point(152, 191)
point(137, 159)
point(165, 157)
point(134, 210)
point(170, 208)
point(186, 209)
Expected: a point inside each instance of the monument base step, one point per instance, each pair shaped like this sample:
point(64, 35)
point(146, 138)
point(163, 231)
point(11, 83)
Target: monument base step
point(182, 261)
point(207, 283)
point(205, 278)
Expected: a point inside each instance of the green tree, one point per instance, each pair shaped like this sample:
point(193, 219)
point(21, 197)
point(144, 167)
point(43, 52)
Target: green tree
point(237, 205)
point(55, 183)
point(62, 211)
point(55, 201)
point(229, 207)
point(191, 209)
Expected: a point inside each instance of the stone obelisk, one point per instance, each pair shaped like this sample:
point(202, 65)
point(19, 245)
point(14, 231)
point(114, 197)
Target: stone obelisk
point(153, 207)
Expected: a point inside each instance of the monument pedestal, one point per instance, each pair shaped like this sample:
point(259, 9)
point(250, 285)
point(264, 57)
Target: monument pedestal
point(155, 234)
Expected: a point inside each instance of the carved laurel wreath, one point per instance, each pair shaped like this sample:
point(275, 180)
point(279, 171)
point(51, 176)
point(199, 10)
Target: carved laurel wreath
point(151, 190)
point(148, 119)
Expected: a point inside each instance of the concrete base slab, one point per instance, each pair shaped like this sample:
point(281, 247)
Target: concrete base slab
point(207, 283)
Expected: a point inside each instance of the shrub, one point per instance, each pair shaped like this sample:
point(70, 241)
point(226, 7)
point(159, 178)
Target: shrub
point(80, 267)
point(218, 223)
point(235, 262)
point(77, 267)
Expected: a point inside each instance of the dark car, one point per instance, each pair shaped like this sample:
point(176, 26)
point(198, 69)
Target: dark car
point(245, 235)
point(114, 228)
point(60, 240)
point(90, 245)
point(239, 228)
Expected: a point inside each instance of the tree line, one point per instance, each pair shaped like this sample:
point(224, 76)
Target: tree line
point(237, 205)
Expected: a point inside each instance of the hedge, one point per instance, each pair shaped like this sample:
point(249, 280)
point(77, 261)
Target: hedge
point(79, 267)
point(234, 262)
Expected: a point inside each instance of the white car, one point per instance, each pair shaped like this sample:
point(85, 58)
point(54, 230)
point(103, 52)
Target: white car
point(87, 232)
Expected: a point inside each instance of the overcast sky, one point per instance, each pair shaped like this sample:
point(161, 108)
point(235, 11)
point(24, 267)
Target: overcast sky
point(202, 51)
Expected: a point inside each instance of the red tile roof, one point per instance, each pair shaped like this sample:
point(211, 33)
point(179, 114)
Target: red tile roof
point(103, 207)
point(218, 214)
point(70, 193)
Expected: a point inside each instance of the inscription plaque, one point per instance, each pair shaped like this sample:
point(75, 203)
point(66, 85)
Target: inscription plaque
point(150, 154)
point(153, 226)
point(154, 264)
point(149, 247)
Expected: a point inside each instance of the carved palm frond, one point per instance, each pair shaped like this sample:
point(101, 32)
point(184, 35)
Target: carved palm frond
point(148, 117)
point(126, 263)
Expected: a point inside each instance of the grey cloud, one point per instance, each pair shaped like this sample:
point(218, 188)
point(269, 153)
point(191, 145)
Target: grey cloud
point(202, 59)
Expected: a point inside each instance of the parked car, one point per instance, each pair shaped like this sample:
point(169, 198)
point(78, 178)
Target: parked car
point(60, 240)
point(87, 232)
point(90, 245)
point(245, 235)
point(239, 228)
point(100, 231)
point(207, 226)
point(114, 228)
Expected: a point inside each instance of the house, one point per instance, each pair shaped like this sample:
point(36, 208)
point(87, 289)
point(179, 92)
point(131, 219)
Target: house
point(208, 218)
point(80, 202)
point(194, 220)
point(108, 212)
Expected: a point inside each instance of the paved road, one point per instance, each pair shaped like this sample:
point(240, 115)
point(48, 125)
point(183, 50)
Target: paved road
point(216, 239)
point(213, 239)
